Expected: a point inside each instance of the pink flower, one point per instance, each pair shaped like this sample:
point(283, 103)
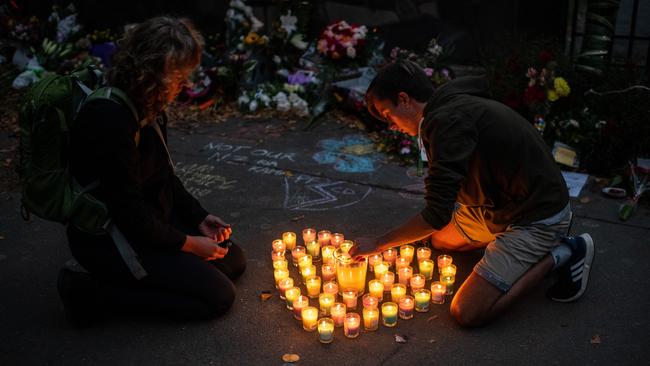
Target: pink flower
point(428, 71)
point(531, 73)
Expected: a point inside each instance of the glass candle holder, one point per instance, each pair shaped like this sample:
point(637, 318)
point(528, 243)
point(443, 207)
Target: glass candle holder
point(308, 235)
point(370, 319)
point(405, 275)
point(422, 300)
point(280, 264)
point(350, 272)
point(279, 275)
point(299, 303)
point(289, 239)
point(426, 268)
point(276, 256)
point(373, 260)
point(352, 325)
point(350, 298)
point(407, 251)
point(313, 286)
point(438, 291)
point(325, 302)
point(376, 289)
point(297, 253)
point(449, 270)
point(290, 295)
point(328, 253)
point(423, 253)
point(389, 314)
point(308, 272)
point(305, 261)
point(444, 260)
point(313, 249)
point(397, 292)
point(380, 269)
point(406, 305)
point(331, 288)
point(388, 279)
point(284, 285)
point(401, 262)
point(325, 330)
point(346, 245)
point(370, 301)
point(417, 282)
point(390, 255)
point(337, 239)
point(328, 272)
point(278, 245)
point(309, 317)
point(324, 237)
point(448, 281)
point(338, 311)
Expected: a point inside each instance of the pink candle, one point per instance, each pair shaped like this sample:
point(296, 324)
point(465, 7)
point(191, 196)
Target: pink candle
point(299, 303)
point(388, 279)
point(438, 293)
point(405, 275)
point(417, 282)
point(284, 285)
point(370, 301)
point(331, 288)
point(337, 312)
point(297, 253)
point(443, 261)
point(337, 239)
point(406, 305)
point(423, 253)
point(329, 272)
point(324, 237)
point(390, 255)
point(374, 259)
point(401, 262)
point(277, 255)
point(352, 325)
point(350, 299)
point(278, 245)
point(308, 235)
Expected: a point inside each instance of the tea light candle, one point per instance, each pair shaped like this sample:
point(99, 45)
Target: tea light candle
point(304, 261)
point(376, 289)
point(373, 260)
point(297, 253)
point(389, 314)
point(443, 261)
point(346, 245)
point(325, 330)
point(422, 300)
point(331, 288)
point(423, 253)
point(438, 293)
point(350, 299)
point(289, 239)
point(406, 305)
point(370, 319)
point(388, 279)
point(370, 301)
point(417, 282)
point(299, 303)
point(278, 245)
point(291, 294)
point(405, 275)
point(308, 235)
point(397, 292)
point(308, 272)
point(449, 270)
point(407, 251)
point(324, 237)
point(337, 239)
point(276, 256)
point(338, 311)
point(448, 281)
point(380, 269)
point(284, 285)
point(313, 286)
point(389, 256)
point(351, 325)
point(325, 301)
point(426, 268)
point(401, 262)
point(309, 318)
point(328, 253)
point(280, 264)
point(279, 275)
point(313, 249)
point(328, 271)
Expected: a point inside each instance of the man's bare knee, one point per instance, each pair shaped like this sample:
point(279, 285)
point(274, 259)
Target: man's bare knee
point(466, 316)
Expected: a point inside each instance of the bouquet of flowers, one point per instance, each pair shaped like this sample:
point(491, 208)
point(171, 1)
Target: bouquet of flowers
point(341, 40)
point(431, 61)
point(544, 88)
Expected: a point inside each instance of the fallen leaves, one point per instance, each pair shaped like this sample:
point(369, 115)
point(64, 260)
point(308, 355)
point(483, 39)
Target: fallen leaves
point(433, 317)
point(401, 338)
point(595, 339)
point(290, 357)
point(265, 295)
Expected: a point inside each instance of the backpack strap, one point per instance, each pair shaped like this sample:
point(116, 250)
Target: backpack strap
point(116, 95)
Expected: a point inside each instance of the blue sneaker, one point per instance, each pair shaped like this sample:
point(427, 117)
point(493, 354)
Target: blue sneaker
point(573, 276)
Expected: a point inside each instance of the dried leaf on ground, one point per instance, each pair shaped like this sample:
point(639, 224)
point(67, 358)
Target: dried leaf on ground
point(290, 357)
point(433, 317)
point(401, 338)
point(265, 295)
point(595, 339)
point(432, 340)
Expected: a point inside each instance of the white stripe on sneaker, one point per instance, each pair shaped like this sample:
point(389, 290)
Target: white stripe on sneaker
point(579, 264)
point(576, 272)
point(577, 278)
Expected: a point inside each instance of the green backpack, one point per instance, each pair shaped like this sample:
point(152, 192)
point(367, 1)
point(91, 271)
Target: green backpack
point(48, 189)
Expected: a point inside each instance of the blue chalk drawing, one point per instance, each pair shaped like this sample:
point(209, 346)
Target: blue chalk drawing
point(351, 154)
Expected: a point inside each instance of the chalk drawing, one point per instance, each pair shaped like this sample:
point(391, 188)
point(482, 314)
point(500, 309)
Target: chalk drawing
point(351, 154)
point(416, 193)
point(221, 151)
point(200, 181)
point(308, 193)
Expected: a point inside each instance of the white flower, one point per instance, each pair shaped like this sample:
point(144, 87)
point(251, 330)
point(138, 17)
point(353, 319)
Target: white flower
point(299, 105)
point(289, 22)
point(352, 53)
point(280, 97)
point(230, 13)
point(435, 50)
point(252, 106)
point(243, 99)
point(297, 42)
point(255, 24)
point(277, 60)
point(262, 97)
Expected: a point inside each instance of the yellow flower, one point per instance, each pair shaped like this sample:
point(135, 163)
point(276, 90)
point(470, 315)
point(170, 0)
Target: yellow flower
point(561, 87)
point(252, 38)
point(552, 95)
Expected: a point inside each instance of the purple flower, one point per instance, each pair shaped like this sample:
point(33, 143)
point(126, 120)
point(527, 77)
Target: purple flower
point(300, 77)
point(428, 71)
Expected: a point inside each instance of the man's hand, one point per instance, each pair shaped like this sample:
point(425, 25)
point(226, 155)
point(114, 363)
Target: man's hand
point(215, 228)
point(364, 247)
point(203, 247)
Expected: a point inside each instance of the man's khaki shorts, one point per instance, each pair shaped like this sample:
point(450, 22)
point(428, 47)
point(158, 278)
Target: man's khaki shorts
point(511, 253)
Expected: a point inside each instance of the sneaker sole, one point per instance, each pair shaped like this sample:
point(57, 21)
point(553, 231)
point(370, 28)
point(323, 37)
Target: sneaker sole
point(590, 253)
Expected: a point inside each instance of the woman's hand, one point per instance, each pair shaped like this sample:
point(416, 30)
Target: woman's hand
point(204, 247)
point(215, 228)
point(364, 247)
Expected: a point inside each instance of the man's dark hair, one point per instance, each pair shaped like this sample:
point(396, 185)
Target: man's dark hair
point(401, 76)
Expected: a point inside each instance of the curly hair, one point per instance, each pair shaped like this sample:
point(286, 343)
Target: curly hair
point(147, 57)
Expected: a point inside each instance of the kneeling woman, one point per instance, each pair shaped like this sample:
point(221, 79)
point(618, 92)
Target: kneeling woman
point(189, 274)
